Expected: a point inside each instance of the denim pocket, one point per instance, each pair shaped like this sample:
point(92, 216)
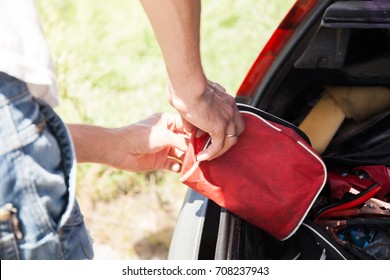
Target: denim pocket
point(75, 239)
point(37, 175)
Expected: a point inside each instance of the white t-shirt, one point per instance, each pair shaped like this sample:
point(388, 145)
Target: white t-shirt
point(24, 53)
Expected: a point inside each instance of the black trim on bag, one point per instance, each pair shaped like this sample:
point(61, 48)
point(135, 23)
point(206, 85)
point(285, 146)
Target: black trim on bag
point(272, 118)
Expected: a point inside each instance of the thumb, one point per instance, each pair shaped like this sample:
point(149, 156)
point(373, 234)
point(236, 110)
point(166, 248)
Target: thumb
point(212, 151)
point(176, 140)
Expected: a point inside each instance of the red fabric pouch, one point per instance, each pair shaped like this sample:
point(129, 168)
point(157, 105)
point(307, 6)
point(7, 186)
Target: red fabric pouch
point(270, 178)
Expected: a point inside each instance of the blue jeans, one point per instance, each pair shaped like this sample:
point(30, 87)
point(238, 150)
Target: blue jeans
point(39, 215)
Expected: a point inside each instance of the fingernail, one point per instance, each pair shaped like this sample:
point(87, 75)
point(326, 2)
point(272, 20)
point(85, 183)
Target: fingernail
point(176, 167)
point(201, 157)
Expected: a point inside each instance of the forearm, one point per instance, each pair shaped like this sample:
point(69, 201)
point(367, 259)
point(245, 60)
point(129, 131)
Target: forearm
point(149, 144)
point(92, 143)
point(176, 24)
point(200, 102)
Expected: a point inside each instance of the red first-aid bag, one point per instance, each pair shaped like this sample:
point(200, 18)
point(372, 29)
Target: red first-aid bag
point(270, 178)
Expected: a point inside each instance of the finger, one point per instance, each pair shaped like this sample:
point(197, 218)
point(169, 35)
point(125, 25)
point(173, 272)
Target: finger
point(230, 140)
point(231, 130)
point(188, 127)
point(209, 153)
point(176, 154)
point(239, 122)
point(176, 140)
point(174, 122)
point(218, 140)
point(172, 165)
point(229, 143)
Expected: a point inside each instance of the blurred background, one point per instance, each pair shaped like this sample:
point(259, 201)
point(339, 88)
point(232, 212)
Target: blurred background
point(111, 73)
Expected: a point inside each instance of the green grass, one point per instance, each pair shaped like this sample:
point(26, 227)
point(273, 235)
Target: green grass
point(109, 65)
point(111, 73)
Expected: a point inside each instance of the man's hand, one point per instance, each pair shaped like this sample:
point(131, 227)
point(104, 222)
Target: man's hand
point(214, 112)
point(155, 143)
point(201, 103)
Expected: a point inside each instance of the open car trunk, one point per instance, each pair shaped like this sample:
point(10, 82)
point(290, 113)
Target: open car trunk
point(338, 45)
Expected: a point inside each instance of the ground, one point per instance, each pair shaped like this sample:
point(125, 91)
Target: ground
point(138, 225)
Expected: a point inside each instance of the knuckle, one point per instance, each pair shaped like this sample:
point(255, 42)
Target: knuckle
point(218, 145)
point(241, 127)
point(230, 112)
